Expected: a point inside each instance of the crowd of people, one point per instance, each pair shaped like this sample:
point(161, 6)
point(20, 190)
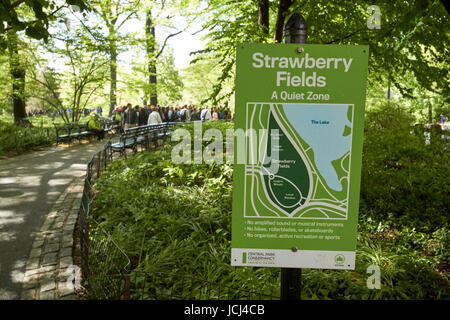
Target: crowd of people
point(129, 116)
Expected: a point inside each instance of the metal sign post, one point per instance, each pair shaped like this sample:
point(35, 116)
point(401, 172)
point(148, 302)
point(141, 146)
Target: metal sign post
point(295, 31)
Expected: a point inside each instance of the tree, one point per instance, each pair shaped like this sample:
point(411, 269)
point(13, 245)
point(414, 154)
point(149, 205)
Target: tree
point(264, 15)
point(170, 86)
point(33, 17)
point(114, 14)
point(70, 90)
point(200, 79)
point(413, 36)
point(163, 16)
point(283, 8)
point(151, 57)
point(17, 72)
point(228, 23)
point(34, 24)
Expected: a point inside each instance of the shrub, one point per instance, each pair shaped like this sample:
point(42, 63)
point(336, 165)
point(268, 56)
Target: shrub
point(20, 139)
point(403, 180)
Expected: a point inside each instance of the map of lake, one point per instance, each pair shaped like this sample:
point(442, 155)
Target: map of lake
point(323, 127)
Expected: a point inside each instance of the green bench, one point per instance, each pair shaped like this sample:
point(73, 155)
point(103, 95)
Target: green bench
point(68, 132)
point(145, 136)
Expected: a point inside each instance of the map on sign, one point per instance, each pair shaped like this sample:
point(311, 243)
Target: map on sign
point(298, 165)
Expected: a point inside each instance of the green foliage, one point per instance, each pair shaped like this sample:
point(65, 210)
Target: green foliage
point(20, 139)
point(403, 180)
point(174, 221)
point(75, 84)
point(228, 22)
point(411, 43)
point(5, 86)
point(200, 79)
point(33, 16)
point(169, 85)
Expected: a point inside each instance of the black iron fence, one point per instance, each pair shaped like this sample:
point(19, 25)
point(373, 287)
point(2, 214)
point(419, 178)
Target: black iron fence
point(103, 262)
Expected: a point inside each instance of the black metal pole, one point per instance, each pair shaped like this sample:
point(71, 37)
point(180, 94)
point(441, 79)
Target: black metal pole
point(295, 31)
point(291, 284)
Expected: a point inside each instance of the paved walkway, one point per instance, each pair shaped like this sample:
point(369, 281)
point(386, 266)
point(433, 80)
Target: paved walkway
point(38, 198)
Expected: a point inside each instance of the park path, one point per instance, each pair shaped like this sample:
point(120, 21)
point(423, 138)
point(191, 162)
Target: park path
point(30, 184)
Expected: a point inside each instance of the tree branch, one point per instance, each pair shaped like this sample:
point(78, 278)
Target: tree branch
point(17, 3)
point(165, 42)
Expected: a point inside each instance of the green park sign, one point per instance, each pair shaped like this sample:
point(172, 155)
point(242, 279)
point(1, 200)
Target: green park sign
point(296, 194)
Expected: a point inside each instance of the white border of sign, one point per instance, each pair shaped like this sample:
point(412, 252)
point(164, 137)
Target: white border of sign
point(314, 259)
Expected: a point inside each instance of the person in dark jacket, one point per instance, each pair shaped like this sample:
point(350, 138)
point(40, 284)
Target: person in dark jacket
point(129, 117)
point(143, 116)
point(194, 115)
point(166, 114)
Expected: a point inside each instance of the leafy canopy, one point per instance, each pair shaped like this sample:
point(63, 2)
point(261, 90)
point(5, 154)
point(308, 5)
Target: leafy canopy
point(31, 16)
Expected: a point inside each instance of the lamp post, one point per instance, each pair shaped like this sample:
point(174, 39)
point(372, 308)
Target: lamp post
point(295, 31)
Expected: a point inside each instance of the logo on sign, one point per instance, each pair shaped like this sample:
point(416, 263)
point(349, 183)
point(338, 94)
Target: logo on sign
point(339, 259)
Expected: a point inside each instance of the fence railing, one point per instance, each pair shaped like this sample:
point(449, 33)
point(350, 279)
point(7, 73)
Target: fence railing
point(106, 267)
point(103, 263)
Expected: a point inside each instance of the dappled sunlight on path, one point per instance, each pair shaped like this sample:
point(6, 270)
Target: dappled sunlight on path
point(29, 186)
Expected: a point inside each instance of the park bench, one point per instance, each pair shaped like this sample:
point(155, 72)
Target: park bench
point(144, 136)
point(71, 131)
point(68, 132)
point(109, 125)
point(127, 140)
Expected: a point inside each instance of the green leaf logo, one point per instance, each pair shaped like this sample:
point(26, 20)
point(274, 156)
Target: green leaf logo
point(339, 259)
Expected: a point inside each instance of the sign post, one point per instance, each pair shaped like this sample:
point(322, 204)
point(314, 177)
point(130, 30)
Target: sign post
point(295, 31)
point(299, 128)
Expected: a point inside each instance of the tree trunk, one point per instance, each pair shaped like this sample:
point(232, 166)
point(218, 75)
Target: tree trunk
point(112, 71)
point(283, 7)
point(430, 113)
point(17, 72)
point(152, 81)
point(263, 15)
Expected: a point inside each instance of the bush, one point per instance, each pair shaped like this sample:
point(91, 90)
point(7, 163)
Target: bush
point(20, 139)
point(403, 180)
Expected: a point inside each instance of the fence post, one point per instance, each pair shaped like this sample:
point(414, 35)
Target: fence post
point(98, 164)
point(295, 31)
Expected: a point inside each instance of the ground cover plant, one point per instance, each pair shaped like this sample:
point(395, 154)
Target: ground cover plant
point(19, 139)
point(174, 222)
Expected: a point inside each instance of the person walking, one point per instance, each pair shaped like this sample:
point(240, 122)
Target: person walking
point(116, 118)
point(170, 114)
point(206, 114)
point(166, 114)
point(194, 115)
point(183, 114)
point(154, 117)
point(215, 115)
